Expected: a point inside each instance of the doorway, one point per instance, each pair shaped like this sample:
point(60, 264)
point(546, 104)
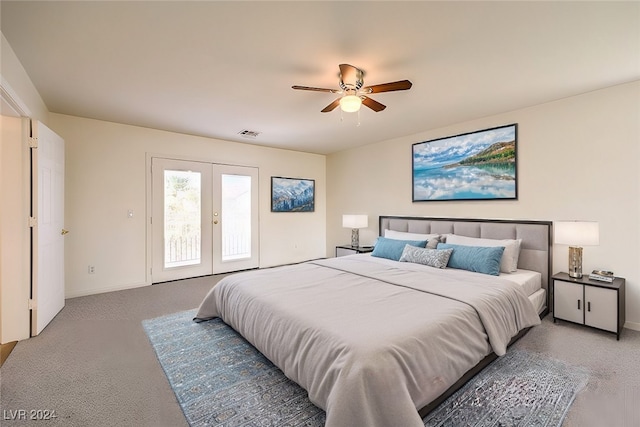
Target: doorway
point(204, 219)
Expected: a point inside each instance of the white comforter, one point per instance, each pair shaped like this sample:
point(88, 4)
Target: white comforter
point(371, 340)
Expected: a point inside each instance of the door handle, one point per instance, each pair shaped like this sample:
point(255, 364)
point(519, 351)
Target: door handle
point(215, 221)
point(63, 232)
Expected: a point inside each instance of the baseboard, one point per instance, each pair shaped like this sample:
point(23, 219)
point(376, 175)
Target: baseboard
point(5, 350)
point(94, 291)
point(632, 325)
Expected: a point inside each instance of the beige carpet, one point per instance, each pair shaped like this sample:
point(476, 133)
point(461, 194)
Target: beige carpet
point(94, 366)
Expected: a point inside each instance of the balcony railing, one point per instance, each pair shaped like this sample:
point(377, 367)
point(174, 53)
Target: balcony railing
point(183, 250)
point(236, 245)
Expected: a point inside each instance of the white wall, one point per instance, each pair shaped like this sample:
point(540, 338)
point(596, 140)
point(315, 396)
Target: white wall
point(106, 176)
point(578, 158)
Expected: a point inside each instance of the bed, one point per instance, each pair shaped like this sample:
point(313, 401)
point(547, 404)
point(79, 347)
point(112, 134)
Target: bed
point(378, 342)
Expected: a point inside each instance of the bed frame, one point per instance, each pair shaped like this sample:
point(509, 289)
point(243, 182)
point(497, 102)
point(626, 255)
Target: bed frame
point(535, 255)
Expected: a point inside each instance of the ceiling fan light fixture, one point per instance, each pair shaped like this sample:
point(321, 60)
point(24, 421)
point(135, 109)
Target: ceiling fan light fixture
point(350, 103)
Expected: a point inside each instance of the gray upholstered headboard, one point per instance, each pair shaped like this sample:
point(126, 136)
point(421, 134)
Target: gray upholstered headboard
point(535, 249)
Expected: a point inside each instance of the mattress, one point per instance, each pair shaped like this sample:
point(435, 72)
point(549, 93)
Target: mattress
point(539, 300)
point(530, 281)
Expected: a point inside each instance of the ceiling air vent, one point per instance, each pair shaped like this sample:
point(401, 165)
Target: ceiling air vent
point(249, 133)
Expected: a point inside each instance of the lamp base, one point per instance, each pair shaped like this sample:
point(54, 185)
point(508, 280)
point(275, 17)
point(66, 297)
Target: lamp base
point(575, 262)
point(355, 237)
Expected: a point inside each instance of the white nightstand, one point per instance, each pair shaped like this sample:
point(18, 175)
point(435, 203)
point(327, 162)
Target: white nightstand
point(588, 302)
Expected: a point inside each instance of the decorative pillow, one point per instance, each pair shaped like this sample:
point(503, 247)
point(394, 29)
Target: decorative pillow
point(432, 239)
point(437, 258)
point(475, 258)
point(509, 262)
point(392, 248)
point(433, 243)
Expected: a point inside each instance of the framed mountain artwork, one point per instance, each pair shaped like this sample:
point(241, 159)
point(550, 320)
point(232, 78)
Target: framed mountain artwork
point(292, 194)
point(480, 165)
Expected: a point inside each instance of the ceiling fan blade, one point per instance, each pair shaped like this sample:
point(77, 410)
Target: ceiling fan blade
point(349, 73)
point(374, 105)
point(315, 89)
point(331, 106)
point(388, 87)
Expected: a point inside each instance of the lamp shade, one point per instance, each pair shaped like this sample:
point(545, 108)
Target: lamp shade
point(576, 233)
point(355, 221)
point(350, 103)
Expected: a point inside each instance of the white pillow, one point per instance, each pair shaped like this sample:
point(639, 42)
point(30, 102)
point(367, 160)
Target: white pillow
point(509, 262)
point(432, 239)
point(403, 235)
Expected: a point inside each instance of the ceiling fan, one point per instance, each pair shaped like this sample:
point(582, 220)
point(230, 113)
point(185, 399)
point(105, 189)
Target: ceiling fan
point(353, 92)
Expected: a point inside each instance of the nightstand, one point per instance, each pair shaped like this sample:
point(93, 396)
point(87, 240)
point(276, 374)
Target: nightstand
point(350, 250)
point(592, 303)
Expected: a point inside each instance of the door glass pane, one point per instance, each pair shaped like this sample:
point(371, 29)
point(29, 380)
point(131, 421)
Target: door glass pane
point(236, 217)
point(182, 218)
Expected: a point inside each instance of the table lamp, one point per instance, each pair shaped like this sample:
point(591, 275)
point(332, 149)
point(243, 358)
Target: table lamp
point(355, 222)
point(576, 234)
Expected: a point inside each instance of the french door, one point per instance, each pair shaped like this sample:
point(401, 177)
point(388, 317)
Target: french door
point(204, 219)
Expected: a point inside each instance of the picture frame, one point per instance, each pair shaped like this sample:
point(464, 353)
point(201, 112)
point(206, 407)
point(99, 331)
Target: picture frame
point(292, 194)
point(479, 165)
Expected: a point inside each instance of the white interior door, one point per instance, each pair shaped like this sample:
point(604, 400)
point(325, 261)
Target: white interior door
point(181, 219)
point(235, 218)
point(47, 249)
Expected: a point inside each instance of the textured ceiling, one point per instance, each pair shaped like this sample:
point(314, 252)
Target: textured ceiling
point(217, 68)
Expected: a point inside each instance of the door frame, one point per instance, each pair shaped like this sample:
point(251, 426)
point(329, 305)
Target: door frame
point(15, 323)
point(15, 254)
point(149, 199)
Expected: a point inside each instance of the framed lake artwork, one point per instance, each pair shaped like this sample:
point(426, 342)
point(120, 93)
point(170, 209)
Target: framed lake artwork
point(292, 194)
point(479, 165)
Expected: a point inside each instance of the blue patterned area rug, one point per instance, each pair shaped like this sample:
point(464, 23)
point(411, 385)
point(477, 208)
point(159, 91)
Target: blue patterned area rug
point(221, 380)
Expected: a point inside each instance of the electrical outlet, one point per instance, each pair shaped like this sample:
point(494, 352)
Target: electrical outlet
point(92, 269)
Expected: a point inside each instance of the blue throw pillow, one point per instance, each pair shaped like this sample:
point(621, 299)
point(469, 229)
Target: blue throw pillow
point(392, 248)
point(475, 258)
